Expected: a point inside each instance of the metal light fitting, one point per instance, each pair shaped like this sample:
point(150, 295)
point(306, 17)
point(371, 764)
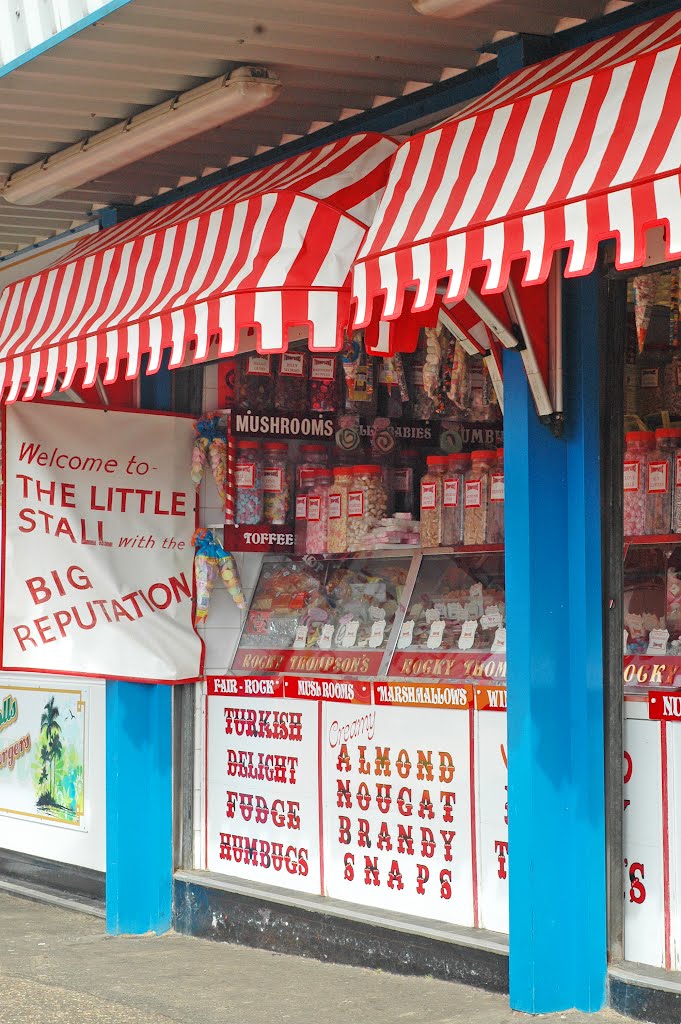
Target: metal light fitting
point(199, 110)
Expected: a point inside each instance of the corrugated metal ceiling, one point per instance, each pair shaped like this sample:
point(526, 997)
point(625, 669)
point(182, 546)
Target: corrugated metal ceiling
point(335, 58)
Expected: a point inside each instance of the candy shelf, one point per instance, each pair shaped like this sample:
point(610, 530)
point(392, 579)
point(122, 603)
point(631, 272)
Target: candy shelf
point(653, 539)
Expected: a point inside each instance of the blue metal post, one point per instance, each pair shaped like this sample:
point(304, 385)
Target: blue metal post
point(139, 785)
point(558, 944)
point(139, 840)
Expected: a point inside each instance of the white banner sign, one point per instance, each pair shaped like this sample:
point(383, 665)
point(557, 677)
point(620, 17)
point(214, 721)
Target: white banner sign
point(99, 513)
point(396, 797)
point(263, 794)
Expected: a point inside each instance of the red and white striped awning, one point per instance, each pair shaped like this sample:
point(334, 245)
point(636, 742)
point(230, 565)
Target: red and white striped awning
point(563, 154)
point(271, 251)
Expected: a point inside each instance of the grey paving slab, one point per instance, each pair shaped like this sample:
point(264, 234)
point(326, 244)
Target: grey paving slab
point(60, 966)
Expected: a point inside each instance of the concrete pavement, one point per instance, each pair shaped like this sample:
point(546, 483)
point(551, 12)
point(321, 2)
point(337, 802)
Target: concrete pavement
point(60, 967)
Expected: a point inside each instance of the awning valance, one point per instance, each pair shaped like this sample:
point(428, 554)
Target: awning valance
point(563, 154)
point(271, 251)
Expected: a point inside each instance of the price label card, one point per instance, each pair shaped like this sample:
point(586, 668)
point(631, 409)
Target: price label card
point(441, 609)
point(377, 633)
point(491, 619)
point(326, 636)
point(300, 638)
point(376, 613)
point(476, 590)
point(499, 642)
point(433, 614)
point(657, 641)
point(435, 635)
point(455, 610)
point(406, 634)
point(346, 634)
point(467, 638)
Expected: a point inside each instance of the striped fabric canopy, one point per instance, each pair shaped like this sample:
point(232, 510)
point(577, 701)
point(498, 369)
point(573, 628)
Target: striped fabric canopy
point(563, 154)
point(271, 250)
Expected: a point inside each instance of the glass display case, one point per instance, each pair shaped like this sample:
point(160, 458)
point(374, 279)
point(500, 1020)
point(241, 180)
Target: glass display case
point(372, 615)
point(334, 615)
point(652, 614)
point(458, 603)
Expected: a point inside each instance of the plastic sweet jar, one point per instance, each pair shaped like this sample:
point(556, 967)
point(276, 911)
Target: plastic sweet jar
point(402, 491)
point(672, 387)
point(307, 482)
point(495, 510)
point(476, 497)
point(651, 383)
point(318, 512)
point(638, 446)
point(290, 387)
point(337, 533)
point(248, 484)
point(255, 383)
point(432, 486)
point(367, 504)
point(452, 499)
point(312, 456)
point(277, 483)
point(661, 466)
point(325, 392)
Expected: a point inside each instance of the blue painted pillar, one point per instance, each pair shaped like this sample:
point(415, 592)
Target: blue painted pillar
point(139, 806)
point(557, 886)
point(139, 784)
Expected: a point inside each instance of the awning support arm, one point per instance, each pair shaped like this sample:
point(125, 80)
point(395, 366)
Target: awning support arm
point(545, 407)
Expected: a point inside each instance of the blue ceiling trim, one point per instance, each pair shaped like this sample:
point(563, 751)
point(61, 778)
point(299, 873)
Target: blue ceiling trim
point(60, 37)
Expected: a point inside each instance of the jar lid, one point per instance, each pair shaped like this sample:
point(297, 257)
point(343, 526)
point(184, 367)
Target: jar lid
point(500, 453)
point(668, 432)
point(250, 445)
point(313, 448)
point(342, 470)
point(307, 476)
point(640, 435)
point(320, 471)
point(437, 460)
point(483, 456)
point(367, 470)
point(275, 446)
point(458, 457)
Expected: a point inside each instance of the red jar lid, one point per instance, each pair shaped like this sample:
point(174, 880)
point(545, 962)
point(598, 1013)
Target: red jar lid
point(275, 446)
point(640, 435)
point(437, 460)
point(483, 456)
point(313, 448)
point(668, 432)
point(250, 445)
point(459, 457)
point(500, 453)
point(342, 470)
point(368, 470)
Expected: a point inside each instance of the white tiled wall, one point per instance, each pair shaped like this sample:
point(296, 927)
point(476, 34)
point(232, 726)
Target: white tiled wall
point(221, 630)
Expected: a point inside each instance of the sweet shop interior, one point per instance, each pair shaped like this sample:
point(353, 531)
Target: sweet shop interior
point(652, 472)
point(355, 474)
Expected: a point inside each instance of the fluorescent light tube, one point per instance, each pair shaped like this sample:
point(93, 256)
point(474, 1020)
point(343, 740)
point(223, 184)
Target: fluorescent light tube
point(208, 106)
point(449, 8)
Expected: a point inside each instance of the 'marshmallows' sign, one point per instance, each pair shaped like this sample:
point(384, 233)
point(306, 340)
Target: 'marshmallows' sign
point(98, 516)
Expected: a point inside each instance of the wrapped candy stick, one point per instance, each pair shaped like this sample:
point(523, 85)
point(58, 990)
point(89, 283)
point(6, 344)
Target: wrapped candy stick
point(212, 562)
point(217, 454)
point(230, 578)
point(645, 293)
point(199, 458)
